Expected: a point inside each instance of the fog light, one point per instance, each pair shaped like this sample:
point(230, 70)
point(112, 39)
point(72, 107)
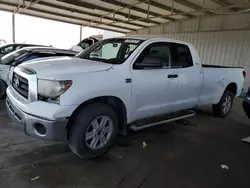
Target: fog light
point(40, 129)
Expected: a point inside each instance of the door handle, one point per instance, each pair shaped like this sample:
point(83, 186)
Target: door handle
point(173, 76)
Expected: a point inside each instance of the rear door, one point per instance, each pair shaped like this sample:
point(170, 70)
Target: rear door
point(189, 76)
point(152, 92)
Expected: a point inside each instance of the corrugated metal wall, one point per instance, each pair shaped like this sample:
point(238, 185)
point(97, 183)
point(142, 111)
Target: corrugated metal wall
point(220, 40)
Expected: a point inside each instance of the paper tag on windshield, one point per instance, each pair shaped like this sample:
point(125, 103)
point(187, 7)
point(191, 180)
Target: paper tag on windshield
point(132, 41)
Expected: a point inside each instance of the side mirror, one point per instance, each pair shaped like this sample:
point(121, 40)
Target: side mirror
point(151, 62)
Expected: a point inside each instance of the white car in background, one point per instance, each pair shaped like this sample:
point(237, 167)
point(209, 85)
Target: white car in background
point(13, 59)
point(133, 83)
point(2, 41)
point(85, 43)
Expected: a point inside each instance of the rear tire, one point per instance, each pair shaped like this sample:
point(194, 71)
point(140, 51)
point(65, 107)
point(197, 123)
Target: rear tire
point(223, 108)
point(3, 87)
point(93, 130)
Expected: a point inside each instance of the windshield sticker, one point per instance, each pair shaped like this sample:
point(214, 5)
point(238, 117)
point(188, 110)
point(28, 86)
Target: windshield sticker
point(132, 41)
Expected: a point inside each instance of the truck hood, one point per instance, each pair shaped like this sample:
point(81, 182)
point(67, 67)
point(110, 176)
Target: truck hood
point(53, 68)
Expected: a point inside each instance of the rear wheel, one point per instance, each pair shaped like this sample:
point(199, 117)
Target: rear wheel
point(223, 108)
point(93, 130)
point(3, 88)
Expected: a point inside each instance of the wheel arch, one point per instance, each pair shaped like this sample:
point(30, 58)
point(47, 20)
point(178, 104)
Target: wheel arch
point(116, 103)
point(232, 87)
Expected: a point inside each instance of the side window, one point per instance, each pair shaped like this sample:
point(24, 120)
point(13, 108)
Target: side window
point(130, 49)
point(84, 45)
point(7, 49)
point(18, 47)
point(157, 52)
point(182, 56)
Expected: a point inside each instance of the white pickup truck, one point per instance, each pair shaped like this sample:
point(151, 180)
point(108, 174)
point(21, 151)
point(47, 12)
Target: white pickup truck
point(132, 83)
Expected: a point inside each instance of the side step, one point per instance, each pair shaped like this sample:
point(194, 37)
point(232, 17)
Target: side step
point(178, 116)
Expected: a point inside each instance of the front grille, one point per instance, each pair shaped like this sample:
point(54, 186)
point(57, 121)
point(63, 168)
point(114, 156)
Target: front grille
point(21, 85)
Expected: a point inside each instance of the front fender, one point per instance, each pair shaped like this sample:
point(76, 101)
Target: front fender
point(99, 84)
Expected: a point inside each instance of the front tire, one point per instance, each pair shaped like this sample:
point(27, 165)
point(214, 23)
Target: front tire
point(223, 108)
point(93, 130)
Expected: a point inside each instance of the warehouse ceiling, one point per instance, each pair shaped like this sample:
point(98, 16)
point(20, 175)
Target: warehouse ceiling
point(123, 15)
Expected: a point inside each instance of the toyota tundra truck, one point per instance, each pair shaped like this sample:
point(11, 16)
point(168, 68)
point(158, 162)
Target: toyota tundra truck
point(133, 83)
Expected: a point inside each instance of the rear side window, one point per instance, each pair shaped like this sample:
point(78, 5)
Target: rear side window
point(182, 57)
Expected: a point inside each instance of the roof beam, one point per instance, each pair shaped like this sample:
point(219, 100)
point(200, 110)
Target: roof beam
point(87, 13)
point(75, 18)
point(170, 9)
point(134, 8)
point(66, 16)
point(31, 3)
point(193, 6)
point(189, 4)
point(59, 20)
point(221, 3)
point(72, 17)
point(92, 6)
point(225, 4)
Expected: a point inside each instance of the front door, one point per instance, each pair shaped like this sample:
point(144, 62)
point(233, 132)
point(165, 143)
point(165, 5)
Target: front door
point(152, 91)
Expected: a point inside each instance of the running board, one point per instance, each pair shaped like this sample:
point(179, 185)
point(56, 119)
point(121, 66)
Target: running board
point(134, 127)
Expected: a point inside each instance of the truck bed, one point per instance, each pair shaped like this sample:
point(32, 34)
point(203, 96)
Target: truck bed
point(215, 80)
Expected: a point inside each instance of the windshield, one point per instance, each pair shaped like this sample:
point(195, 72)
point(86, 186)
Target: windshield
point(113, 51)
point(12, 57)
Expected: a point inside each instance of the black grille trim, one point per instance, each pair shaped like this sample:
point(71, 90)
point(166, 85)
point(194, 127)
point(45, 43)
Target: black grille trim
point(23, 88)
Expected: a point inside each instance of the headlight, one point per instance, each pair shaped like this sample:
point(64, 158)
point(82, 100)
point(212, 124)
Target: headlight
point(52, 88)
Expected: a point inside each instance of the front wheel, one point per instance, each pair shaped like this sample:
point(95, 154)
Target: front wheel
point(223, 108)
point(93, 130)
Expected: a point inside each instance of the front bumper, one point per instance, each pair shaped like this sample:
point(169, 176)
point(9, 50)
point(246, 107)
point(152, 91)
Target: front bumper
point(37, 126)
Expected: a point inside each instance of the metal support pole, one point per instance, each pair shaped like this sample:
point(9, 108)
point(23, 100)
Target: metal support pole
point(148, 10)
point(13, 28)
point(80, 33)
point(129, 13)
point(172, 8)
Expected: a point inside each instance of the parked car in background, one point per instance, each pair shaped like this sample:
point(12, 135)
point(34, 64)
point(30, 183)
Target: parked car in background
point(2, 41)
point(246, 103)
point(133, 82)
point(10, 61)
point(85, 43)
point(7, 48)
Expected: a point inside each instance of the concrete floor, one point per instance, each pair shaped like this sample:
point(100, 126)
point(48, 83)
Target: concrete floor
point(177, 155)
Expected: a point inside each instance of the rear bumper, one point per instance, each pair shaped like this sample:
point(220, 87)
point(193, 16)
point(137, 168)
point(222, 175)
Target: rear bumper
point(36, 126)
